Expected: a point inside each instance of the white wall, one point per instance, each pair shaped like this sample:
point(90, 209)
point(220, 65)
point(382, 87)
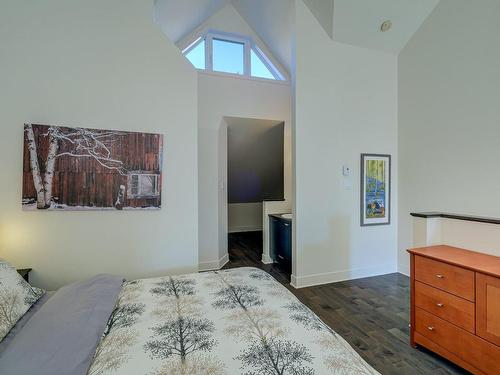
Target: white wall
point(345, 105)
point(449, 116)
point(477, 236)
point(220, 96)
point(244, 217)
point(103, 65)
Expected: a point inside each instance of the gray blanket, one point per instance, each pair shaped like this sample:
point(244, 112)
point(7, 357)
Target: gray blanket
point(61, 337)
point(4, 344)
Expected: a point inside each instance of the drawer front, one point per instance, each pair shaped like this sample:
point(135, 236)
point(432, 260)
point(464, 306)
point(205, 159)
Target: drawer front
point(452, 279)
point(454, 309)
point(472, 349)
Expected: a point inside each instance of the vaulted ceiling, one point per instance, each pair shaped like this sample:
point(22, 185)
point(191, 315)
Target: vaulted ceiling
point(272, 21)
point(355, 22)
point(358, 22)
point(177, 18)
point(323, 11)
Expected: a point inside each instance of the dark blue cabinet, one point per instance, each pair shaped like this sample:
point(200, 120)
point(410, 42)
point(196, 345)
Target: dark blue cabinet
point(281, 241)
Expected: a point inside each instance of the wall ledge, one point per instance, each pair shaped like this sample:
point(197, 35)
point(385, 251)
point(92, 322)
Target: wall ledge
point(245, 78)
point(479, 219)
point(478, 234)
point(245, 228)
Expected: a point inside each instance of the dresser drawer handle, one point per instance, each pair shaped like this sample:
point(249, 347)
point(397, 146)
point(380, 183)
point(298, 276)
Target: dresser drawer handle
point(430, 328)
point(440, 276)
point(440, 304)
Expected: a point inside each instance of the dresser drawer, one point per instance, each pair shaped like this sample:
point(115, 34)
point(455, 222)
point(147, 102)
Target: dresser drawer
point(454, 309)
point(474, 350)
point(456, 280)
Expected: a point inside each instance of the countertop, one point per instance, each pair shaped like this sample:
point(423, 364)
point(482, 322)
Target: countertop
point(278, 216)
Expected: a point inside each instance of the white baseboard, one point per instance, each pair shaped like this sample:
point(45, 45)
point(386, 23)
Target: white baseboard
point(266, 259)
point(293, 281)
point(213, 265)
point(332, 277)
point(223, 260)
point(404, 269)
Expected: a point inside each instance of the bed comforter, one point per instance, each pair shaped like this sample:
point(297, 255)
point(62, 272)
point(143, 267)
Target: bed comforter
point(238, 321)
point(59, 337)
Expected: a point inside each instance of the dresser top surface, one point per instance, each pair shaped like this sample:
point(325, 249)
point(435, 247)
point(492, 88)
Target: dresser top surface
point(484, 263)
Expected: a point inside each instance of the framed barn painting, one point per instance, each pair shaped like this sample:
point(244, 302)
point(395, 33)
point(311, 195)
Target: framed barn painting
point(375, 189)
point(90, 169)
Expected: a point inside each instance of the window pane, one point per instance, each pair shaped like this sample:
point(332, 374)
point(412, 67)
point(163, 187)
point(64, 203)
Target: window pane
point(227, 56)
point(258, 68)
point(197, 55)
point(134, 184)
point(148, 184)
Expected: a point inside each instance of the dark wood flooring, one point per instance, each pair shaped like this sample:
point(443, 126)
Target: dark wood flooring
point(372, 314)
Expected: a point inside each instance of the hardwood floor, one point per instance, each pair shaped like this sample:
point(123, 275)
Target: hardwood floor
point(372, 314)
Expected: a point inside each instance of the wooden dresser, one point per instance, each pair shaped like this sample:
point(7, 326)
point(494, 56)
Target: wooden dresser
point(455, 306)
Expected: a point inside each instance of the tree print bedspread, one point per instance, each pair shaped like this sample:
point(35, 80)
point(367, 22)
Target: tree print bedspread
point(238, 321)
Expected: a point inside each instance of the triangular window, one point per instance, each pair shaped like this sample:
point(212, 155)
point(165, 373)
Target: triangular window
point(233, 54)
point(258, 67)
point(196, 55)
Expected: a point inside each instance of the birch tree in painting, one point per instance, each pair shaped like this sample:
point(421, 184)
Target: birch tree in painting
point(35, 168)
point(85, 143)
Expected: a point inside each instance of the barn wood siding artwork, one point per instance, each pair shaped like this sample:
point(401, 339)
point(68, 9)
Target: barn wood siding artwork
point(90, 169)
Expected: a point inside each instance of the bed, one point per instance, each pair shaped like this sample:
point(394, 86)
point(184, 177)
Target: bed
point(237, 321)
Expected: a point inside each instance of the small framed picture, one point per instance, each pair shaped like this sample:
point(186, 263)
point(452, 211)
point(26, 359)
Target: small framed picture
point(375, 189)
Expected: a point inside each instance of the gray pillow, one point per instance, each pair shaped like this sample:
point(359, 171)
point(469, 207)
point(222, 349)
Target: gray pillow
point(16, 297)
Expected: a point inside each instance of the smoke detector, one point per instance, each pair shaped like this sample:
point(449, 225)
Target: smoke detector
point(386, 25)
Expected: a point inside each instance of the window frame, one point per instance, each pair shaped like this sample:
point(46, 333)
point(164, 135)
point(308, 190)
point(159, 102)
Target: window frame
point(192, 46)
point(140, 194)
point(209, 57)
point(248, 46)
point(278, 76)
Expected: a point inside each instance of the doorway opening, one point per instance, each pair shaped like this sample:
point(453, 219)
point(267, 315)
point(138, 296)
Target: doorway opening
point(256, 154)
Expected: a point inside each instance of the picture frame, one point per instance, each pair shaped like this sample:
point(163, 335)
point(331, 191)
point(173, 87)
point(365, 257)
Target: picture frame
point(375, 189)
point(79, 169)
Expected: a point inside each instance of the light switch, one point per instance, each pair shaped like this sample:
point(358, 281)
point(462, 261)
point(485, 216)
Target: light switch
point(346, 170)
